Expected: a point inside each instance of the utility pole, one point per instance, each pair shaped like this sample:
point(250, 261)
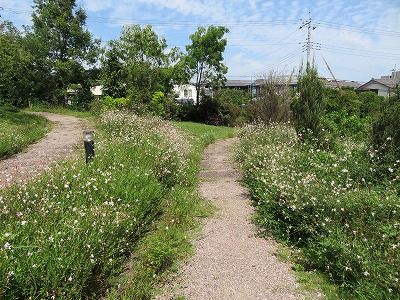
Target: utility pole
point(310, 27)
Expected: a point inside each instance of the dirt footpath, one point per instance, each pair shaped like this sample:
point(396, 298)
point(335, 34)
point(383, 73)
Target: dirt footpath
point(55, 146)
point(230, 261)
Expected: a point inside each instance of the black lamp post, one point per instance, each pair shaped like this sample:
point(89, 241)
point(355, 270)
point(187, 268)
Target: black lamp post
point(89, 145)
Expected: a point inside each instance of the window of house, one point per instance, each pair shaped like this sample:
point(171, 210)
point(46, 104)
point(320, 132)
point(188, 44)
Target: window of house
point(187, 93)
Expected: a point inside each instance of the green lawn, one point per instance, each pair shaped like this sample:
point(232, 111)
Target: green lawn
point(206, 131)
point(62, 111)
point(18, 130)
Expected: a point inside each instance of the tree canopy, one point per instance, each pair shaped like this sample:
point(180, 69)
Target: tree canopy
point(204, 57)
point(138, 65)
point(64, 46)
point(16, 75)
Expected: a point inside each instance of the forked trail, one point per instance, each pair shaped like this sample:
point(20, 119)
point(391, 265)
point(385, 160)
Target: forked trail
point(56, 145)
point(230, 261)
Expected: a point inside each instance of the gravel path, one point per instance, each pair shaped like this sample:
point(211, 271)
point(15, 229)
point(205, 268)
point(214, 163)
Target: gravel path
point(231, 262)
point(55, 146)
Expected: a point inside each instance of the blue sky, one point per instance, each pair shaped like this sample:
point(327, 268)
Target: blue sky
point(264, 35)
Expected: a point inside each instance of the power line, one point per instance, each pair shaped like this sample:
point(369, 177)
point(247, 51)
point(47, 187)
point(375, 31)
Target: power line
point(353, 28)
point(362, 51)
point(322, 23)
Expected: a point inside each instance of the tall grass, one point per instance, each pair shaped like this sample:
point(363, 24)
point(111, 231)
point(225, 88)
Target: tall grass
point(18, 130)
point(330, 205)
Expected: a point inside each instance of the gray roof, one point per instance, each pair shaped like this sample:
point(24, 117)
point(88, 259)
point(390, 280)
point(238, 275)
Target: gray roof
point(238, 83)
point(342, 83)
point(388, 82)
point(279, 80)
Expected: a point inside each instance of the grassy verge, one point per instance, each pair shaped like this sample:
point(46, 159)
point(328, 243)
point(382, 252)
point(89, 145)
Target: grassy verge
point(330, 205)
point(18, 130)
point(69, 234)
point(62, 111)
point(170, 240)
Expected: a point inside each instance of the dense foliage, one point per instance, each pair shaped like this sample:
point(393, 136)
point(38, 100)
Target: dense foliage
point(330, 204)
point(47, 61)
point(62, 47)
point(17, 83)
point(227, 108)
point(386, 131)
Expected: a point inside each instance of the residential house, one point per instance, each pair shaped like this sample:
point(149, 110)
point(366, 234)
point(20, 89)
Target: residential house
point(185, 94)
point(383, 86)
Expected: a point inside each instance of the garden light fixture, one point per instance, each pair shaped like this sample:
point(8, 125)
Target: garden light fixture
point(89, 145)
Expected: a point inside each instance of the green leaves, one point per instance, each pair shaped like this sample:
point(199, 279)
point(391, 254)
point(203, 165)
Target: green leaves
point(138, 64)
point(308, 108)
point(62, 45)
point(204, 56)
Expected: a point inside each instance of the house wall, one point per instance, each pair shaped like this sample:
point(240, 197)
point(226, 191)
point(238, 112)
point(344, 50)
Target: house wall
point(185, 93)
point(384, 93)
point(380, 89)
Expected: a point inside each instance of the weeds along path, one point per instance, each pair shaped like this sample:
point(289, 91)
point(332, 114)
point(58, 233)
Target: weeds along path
point(230, 261)
point(55, 146)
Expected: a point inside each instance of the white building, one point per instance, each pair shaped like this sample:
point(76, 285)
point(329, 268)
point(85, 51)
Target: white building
point(97, 90)
point(186, 94)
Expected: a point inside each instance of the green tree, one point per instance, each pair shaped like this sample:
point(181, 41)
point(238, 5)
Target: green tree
point(205, 55)
point(139, 61)
point(16, 84)
point(113, 74)
point(65, 46)
point(308, 107)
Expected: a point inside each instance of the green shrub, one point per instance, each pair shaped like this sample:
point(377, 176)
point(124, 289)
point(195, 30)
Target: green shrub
point(110, 103)
point(370, 104)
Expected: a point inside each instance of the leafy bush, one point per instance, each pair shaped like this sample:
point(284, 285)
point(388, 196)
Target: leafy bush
point(233, 96)
point(370, 104)
point(64, 234)
point(110, 103)
point(330, 204)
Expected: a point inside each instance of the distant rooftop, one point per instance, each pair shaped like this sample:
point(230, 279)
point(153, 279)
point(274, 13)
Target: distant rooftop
point(238, 83)
point(389, 82)
point(342, 83)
